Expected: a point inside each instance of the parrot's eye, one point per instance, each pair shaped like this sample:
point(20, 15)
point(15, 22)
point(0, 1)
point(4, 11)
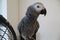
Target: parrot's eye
point(38, 6)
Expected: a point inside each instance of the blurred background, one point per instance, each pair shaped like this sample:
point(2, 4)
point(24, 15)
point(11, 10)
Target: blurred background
point(49, 25)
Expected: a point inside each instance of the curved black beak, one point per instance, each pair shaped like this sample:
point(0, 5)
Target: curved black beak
point(44, 11)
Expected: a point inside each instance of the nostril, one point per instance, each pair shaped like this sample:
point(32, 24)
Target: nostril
point(38, 6)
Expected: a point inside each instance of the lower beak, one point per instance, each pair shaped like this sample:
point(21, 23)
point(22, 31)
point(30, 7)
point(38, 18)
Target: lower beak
point(44, 11)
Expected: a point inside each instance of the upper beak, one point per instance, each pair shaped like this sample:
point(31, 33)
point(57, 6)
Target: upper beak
point(44, 11)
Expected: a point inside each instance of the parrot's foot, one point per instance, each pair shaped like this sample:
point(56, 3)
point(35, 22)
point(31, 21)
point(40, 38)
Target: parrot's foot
point(21, 38)
point(32, 38)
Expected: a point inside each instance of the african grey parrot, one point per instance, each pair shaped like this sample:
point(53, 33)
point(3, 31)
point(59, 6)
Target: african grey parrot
point(29, 24)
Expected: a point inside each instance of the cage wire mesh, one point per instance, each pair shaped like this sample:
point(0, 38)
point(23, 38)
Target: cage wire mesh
point(5, 33)
point(6, 30)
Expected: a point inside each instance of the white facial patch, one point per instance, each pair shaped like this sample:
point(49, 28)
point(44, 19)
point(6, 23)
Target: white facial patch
point(38, 7)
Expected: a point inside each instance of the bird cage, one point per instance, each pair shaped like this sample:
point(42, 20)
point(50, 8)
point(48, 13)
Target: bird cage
point(6, 30)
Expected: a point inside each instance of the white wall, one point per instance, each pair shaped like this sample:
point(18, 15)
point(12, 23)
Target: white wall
point(3, 11)
point(12, 13)
point(3, 8)
point(49, 25)
point(0, 6)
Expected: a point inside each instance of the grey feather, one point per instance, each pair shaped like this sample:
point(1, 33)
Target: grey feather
point(29, 24)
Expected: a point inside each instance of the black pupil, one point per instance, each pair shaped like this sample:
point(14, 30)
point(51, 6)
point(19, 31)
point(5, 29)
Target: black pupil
point(38, 6)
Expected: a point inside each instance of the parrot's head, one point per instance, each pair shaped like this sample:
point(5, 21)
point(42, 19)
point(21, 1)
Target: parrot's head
point(36, 9)
point(39, 8)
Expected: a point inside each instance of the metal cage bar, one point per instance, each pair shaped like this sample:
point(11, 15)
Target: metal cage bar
point(8, 27)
